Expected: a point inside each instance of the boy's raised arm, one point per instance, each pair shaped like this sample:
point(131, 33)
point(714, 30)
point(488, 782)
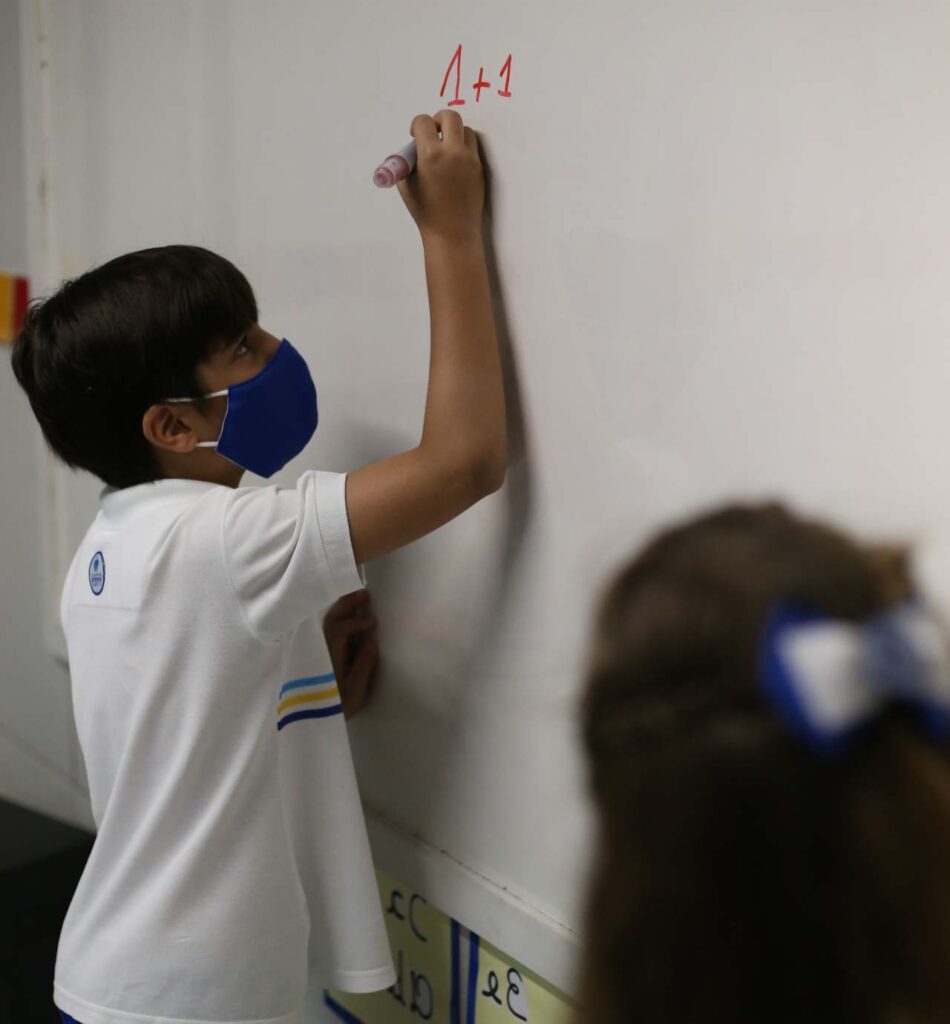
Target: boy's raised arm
point(462, 454)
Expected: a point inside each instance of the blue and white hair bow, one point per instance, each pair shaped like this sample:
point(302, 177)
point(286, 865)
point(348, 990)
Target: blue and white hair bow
point(829, 677)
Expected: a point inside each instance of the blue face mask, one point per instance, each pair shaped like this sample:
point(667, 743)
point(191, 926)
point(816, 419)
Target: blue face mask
point(270, 417)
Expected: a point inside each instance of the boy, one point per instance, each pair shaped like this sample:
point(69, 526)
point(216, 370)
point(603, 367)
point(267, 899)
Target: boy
point(228, 841)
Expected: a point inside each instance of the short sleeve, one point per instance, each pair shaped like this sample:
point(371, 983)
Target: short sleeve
point(288, 551)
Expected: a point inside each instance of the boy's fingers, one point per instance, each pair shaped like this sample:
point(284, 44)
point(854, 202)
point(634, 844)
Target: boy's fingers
point(471, 139)
point(367, 655)
point(360, 678)
point(346, 604)
point(356, 624)
point(423, 129)
point(365, 664)
point(449, 123)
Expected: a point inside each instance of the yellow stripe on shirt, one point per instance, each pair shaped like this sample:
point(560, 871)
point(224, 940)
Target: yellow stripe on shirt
point(307, 698)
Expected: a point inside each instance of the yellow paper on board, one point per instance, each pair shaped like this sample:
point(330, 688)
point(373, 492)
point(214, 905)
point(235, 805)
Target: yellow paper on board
point(421, 940)
point(508, 993)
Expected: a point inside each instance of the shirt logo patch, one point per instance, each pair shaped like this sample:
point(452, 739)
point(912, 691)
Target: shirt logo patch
point(97, 573)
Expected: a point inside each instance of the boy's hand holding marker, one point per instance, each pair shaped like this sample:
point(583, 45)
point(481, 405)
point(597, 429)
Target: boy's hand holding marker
point(446, 193)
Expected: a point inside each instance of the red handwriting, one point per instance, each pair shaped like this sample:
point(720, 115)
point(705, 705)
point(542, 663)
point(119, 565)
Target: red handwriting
point(456, 64)
point(506, 71)
point(480, 84)
point(457, 61)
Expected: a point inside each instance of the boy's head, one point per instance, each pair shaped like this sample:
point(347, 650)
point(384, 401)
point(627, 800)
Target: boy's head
point(741, 876)
point(100, 356)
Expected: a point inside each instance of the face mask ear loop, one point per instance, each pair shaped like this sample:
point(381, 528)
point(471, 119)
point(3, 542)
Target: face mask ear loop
point(213, 394)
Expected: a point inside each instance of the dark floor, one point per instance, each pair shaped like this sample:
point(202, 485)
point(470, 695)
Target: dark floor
point(40, 863)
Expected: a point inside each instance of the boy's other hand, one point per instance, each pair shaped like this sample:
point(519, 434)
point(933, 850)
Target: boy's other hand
point(446, 192)
point(350, 630)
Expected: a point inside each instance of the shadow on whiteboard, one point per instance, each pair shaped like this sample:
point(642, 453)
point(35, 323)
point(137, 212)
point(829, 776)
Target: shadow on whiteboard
point(441, 604)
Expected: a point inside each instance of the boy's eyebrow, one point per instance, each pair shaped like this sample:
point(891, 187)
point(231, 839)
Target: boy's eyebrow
point(224, 345)
point(228, 345)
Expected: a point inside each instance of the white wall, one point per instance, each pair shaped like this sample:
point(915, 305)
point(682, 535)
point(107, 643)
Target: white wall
point(39, 759)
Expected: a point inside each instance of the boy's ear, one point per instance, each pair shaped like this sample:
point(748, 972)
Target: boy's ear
point(169, 428)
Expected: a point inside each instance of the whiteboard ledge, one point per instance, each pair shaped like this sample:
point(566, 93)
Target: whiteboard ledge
point(544, 945)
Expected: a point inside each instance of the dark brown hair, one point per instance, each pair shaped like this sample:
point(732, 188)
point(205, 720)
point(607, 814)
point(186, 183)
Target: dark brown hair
point(108, 344)
point(739, 876)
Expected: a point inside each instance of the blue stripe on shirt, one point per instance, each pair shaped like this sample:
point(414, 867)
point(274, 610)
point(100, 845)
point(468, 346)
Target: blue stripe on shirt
point(314, 713)
point(311, 681)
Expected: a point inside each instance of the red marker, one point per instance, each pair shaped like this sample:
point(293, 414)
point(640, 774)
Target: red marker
point(396, 167)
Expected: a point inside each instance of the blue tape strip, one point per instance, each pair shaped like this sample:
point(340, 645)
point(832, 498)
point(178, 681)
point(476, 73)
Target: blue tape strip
point(455, 1011)
point(473, 944)
point(341, 1011)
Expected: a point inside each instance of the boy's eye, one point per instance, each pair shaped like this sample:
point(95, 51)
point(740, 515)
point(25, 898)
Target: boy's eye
point(242, 347)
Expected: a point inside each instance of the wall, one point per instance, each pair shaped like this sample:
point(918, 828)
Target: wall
point(40, 765)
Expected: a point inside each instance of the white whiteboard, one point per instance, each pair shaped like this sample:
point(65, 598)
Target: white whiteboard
point(721, 232)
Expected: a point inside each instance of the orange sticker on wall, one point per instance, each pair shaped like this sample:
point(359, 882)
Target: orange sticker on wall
point(14, 295)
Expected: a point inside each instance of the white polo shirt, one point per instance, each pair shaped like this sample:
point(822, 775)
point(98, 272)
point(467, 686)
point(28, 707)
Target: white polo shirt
point(231, 856)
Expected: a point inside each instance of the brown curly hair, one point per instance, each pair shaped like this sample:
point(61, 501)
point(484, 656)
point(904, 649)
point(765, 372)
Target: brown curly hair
point(740, 877)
